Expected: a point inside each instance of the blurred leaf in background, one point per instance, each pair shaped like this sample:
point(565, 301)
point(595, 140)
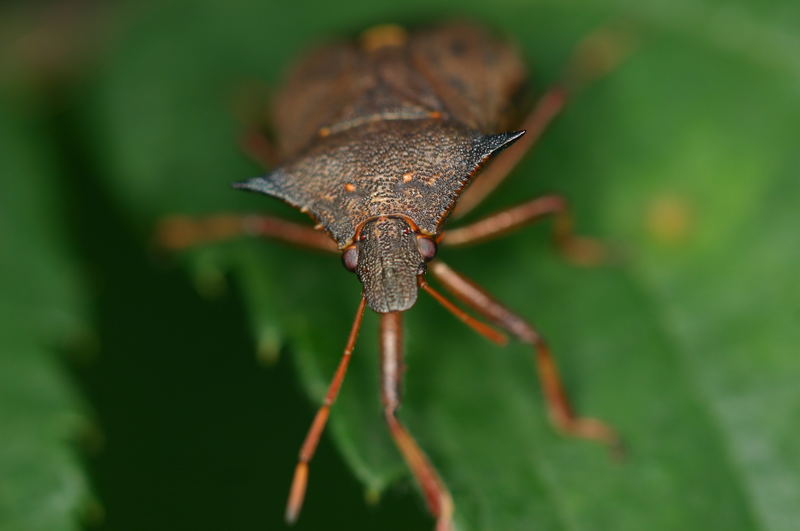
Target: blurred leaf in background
point(42, 310)
point(686, 158)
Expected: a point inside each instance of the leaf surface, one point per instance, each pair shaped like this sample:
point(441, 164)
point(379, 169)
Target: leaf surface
point(42, 486)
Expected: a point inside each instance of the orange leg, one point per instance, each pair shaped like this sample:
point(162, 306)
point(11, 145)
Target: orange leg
point(583, 251)
point(436, 494)
point(179, 232)
point(558, 406)
point(482, 328)
point(596, 55)
point(300, 480)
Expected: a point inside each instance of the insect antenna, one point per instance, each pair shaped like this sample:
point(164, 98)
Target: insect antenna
point(299, 481)
point(482, 328)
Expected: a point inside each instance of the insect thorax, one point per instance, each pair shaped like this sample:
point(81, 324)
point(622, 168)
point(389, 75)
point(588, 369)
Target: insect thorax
point(412, 167)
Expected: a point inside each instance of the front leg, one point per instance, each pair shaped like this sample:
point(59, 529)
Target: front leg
point(558, 406)
point(297, 491)
point(436, 494)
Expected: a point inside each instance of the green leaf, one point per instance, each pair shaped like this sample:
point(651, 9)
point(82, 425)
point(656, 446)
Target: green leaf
point(41, 484)
point(685, 158)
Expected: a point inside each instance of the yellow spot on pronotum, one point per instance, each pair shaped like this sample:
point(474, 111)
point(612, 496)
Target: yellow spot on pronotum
point(407, 177)
point(435, 115)
point(324, 131)
point(669, 219)
point(350, 187)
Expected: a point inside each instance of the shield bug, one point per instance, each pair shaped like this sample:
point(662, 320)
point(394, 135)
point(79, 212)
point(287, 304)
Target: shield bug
point(377, 141)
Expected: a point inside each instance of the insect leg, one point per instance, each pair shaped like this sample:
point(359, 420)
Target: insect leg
point(546, 109)
point(579, 250)
point(179, 232)
point(300, 479)
point(486, 331)
point(595, 56)
point(558, 406)
point(436, 494)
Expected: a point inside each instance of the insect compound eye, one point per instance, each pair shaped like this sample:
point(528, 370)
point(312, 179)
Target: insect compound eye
point(350, 258)
point(427, 248)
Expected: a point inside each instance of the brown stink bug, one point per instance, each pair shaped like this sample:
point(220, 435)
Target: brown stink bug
point(377, 141)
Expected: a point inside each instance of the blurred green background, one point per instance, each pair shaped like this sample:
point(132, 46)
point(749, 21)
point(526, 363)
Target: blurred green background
point(143, 391)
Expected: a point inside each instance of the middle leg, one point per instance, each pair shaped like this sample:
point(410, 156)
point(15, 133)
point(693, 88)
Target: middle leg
point(179, 232)
point(578, 250)
point(558, 406)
